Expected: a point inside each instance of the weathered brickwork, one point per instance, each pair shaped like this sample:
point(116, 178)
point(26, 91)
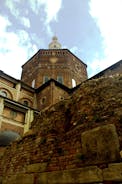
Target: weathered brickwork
point(57, 148)
point(50, 95)
point(115, 69)
point(53, 63)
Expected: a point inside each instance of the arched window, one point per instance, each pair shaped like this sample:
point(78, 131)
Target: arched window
point(33, 83)
point(3, 93)
point(73, 83)
point(60, 79)
point(45, 79)
point(25, 102)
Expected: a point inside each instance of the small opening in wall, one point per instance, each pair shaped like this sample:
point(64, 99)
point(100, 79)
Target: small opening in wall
point(61, 98)
point(43, 100)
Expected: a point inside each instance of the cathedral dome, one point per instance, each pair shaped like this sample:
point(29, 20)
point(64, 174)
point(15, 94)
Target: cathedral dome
point(54, 44)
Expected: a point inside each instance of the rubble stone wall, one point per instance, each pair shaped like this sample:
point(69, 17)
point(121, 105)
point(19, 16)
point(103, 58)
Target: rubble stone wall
point(78, 140)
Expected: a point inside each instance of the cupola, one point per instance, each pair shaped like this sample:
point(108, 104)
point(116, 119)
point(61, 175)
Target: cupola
point(54, 44)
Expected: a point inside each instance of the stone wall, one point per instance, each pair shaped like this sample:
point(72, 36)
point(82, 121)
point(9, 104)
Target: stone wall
point(78, 140)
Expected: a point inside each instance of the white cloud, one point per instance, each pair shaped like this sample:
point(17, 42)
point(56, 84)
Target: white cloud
point(51, 8)
point(25, 21)
point(107, 15)
point(74, 49)
point(12, 7)
point(48, 9)
point(4, 22)
point(15, 48)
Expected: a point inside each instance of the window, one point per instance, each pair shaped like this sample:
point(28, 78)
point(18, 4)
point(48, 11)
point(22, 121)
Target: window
point(3, 93)
point(60, 79)
point(25, 102)
point(43, 100)
point(73, 83)
point(33, 83)
point(45, 79)
point(61, 98)
point(13, 114)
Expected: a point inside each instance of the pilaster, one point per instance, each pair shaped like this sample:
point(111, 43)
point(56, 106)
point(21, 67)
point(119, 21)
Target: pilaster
point(29, 116)
point(18, 87)
point(1, 109)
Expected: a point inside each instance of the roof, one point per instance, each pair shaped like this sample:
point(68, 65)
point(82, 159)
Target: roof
point(56, 83)
point(15, 81)
point(53, 50)
point(117, 64)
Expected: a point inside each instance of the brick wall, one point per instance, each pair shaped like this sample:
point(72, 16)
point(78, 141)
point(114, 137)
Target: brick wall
point(58, 148)
point(53, 63)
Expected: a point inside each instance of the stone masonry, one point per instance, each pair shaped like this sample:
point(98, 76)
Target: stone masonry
point(78, 140)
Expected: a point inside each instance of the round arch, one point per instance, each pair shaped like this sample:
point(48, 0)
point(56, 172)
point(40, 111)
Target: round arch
point(26, 101)
point(6, 93)
point(8, 136)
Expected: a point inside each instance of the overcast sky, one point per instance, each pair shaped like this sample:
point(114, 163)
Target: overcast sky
point(91, 29)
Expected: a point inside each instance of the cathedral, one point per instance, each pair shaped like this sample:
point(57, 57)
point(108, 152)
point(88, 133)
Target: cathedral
point(48, 77)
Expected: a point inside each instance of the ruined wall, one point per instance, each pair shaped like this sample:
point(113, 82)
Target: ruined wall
point(78, 140)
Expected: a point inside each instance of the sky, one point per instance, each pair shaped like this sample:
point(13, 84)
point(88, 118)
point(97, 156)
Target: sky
point(91, 29)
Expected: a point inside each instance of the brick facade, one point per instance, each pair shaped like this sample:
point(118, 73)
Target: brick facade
point(34, 92)
point(54, 63)
point(47, 78)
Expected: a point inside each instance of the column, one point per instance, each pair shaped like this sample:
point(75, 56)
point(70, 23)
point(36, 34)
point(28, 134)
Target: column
point(29, 116)
point(18, 87)
point(1, 109)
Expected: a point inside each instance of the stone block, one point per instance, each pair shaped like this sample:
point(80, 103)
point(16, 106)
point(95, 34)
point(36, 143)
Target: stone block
point(82, 175)
point(113, 172)
point(38, 167)
point(0, 180)
point(101, 144)
point(19, 179)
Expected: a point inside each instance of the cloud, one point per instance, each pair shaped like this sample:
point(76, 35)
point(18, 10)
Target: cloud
point(4, 22)
point(25, 21)
point(12, 7)
point(48, 9)
point(107, 15)
point(15, 49)
point(74, 49)
point(51, 8)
